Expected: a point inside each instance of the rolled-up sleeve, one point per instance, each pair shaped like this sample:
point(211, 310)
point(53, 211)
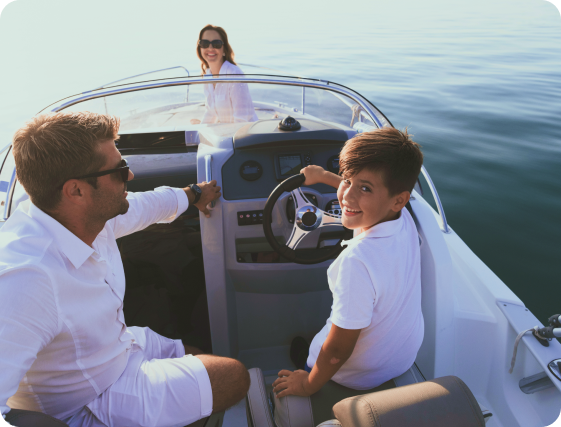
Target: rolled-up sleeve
point(162, 205)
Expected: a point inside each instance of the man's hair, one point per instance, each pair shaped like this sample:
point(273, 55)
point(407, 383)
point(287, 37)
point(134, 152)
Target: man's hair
point(50, 149)
point(388, 151)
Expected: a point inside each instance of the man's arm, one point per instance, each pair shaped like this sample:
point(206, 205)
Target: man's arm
point(317, 175)
point(336, 350)
point(28, 322)
point(163, 204)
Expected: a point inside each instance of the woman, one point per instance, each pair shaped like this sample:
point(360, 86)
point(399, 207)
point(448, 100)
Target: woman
point(225, 102)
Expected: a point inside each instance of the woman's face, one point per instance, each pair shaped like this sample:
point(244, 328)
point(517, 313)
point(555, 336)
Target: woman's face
point(210, 54)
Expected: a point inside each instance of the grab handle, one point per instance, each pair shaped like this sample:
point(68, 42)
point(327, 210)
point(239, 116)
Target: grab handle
point(208, 173)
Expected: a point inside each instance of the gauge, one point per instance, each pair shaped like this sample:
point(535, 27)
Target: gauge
point(333, 164)
point(251, 170)
point(334, 207)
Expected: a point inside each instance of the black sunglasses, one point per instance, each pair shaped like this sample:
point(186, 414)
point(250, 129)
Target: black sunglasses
point(123, 169)
point(217, 44)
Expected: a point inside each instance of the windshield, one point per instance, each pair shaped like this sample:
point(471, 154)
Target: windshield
point(191, 105)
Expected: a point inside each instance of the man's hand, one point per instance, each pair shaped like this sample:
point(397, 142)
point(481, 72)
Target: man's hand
point(317, 175)
point(295, 383)
point(210, 191)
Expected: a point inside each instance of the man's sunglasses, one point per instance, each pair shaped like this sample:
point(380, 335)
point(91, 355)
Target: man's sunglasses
point(217, 44)
point(123, 169)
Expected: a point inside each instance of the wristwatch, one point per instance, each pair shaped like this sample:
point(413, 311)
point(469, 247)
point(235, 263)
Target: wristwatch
point(197, 191)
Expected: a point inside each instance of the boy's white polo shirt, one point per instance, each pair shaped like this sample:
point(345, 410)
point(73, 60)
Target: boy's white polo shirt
point(376, 286)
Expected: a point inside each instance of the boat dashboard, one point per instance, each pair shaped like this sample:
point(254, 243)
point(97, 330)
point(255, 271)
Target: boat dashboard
point(260, 157)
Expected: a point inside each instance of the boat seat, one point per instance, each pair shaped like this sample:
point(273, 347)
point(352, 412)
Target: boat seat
point(24, 418)
point(409, 393)
point(441, 402)
point(259, 411)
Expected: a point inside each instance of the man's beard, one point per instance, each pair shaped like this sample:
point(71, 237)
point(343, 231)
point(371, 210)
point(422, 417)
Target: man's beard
point(109, 205)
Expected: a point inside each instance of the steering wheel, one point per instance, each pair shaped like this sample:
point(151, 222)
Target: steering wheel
point(307, 219)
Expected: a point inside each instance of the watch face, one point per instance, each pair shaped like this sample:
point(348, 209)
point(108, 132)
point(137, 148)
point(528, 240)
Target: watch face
point(196, 189)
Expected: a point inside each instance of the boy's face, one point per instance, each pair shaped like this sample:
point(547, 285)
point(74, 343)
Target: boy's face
point(366, 201)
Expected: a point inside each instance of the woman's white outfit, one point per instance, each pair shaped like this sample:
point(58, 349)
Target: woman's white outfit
point(228, 102)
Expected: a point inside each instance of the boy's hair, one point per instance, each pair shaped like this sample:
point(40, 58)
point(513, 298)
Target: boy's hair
point(50, 149)
point(387, 150)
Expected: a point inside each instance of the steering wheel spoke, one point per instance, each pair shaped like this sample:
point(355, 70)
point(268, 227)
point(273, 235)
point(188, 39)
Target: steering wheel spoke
point(296, 237)
point(308, 218)
point(300, 199)
point(328, 219)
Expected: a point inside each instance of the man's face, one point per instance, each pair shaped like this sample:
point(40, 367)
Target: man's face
point(110, 197)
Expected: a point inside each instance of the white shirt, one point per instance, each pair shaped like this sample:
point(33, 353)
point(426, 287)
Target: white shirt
point(228, 102)
point(63, 337)
point(376, 286)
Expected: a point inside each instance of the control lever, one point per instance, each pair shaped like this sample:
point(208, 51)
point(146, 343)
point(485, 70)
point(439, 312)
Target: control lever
point(208, 173)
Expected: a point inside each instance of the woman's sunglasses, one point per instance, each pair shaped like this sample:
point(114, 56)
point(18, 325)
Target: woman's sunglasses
point(217, 44)
point(123, 169)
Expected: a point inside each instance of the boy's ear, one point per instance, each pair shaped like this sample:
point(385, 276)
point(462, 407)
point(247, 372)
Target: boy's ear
point(401, 200)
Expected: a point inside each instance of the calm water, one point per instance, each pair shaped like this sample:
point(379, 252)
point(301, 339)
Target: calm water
point(477, 83)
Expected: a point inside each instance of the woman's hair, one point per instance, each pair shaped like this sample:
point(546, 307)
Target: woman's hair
point(228, 51)
point(388, 151)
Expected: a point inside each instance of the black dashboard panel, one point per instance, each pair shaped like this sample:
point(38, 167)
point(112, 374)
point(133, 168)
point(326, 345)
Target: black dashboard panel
point(156, 140)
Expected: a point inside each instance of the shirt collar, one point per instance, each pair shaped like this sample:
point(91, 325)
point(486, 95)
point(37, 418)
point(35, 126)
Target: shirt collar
point(384, 229)
point(74, 248)
point(223, 68)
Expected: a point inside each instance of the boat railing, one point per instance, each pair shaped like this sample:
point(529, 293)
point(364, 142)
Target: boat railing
point(443, 224)
point(232, 78)
point(141, 74)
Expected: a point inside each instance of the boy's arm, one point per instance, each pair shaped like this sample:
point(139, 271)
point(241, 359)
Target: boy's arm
point(317, 175)
point(336, 350)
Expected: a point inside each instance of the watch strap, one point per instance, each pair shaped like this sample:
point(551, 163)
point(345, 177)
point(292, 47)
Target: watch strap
point(196, 191)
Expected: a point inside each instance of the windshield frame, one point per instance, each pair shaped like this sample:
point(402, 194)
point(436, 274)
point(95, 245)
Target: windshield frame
point(375, 114)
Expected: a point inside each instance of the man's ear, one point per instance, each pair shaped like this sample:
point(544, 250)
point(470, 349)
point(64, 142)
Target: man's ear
point(401, 200)
point(73, 191)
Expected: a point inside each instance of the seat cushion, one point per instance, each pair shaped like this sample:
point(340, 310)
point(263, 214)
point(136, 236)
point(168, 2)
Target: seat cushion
point(23, 418)
point(331, 393)
point(442, 402)
point(258, 412)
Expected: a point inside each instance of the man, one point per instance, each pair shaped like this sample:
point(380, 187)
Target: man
point(64, 347)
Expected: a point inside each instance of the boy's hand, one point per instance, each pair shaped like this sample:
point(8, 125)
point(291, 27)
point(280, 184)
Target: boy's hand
point(314, 174)
point(295, 383)
point(317, 175)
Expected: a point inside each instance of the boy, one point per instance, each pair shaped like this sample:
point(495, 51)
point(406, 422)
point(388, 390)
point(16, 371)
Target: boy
point(376, 326)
